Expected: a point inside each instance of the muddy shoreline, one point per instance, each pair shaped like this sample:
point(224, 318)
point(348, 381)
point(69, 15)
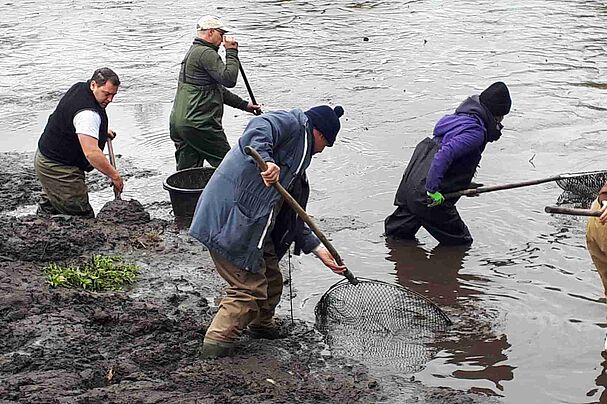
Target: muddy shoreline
point(139, 346)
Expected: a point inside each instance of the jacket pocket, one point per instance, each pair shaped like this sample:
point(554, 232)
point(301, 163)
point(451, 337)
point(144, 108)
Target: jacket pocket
point(239, 235)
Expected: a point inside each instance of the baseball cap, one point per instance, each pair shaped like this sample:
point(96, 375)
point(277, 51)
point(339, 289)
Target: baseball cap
point(209, 21)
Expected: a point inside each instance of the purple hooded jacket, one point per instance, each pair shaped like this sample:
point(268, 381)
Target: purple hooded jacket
point(462, 137)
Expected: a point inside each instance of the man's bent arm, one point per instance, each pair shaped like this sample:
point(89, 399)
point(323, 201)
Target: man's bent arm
point(95, 156)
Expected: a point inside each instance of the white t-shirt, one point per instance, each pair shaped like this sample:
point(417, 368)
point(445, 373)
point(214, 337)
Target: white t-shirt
point(87, 122)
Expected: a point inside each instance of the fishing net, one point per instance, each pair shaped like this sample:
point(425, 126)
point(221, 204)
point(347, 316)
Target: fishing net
point(573, 200)
point(377, 306)
point(583, 186)
point(407, 353)
point(379, 322)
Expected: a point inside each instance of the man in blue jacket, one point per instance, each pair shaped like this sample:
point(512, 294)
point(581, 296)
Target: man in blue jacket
point(447, 163)
point(247, 228)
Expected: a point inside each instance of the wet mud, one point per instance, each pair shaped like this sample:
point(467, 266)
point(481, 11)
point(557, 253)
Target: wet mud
point(65, 345)
point(140, 346)
point(335, 224)
point(20, 187)
point(122, 211)
point(18, 182)
point(60, 238)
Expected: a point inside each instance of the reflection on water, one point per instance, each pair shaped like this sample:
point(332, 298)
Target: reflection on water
point(601, 381)
point(472, 345)
point(525, 295)
point(432, 273)
point(146, 119)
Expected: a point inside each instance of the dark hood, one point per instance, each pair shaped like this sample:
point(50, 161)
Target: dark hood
point(473, 106)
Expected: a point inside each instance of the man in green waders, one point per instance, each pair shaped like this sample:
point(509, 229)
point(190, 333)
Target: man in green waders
point(195, 122)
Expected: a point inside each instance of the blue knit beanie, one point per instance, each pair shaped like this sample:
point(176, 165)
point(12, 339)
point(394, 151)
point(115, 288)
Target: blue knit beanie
point(326, 120)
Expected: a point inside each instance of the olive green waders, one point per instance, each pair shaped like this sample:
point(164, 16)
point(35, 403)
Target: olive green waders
point(195, 120)
point(193, 146)
point(63, 188)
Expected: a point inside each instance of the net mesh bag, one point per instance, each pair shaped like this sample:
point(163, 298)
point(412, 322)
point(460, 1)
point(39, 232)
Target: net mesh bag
point(584, 186)
point(573, 200)
point(381, 323)
point(407, 352)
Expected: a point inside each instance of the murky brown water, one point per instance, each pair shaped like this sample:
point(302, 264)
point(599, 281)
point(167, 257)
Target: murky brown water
point(525, 300)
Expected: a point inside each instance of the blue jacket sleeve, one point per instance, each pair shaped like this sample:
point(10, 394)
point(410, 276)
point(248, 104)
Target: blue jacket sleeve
point(452, 149)
point(308, 240)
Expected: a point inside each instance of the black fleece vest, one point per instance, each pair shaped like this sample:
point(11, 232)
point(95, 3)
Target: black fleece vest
point(59, 141)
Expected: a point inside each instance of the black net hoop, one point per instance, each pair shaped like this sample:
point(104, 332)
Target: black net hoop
point(382, 324)
point(376, 306)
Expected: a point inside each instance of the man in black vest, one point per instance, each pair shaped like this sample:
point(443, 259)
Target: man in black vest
point(73, 142)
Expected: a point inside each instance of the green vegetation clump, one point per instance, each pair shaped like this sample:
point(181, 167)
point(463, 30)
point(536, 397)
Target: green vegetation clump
point(100, 273)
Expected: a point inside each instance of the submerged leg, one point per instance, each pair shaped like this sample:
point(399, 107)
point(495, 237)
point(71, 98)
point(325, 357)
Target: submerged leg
point(402, 224)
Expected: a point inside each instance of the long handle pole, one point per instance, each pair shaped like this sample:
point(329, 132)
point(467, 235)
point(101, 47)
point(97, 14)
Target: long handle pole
point(246, 83)
point(481, 190)
point(302, 213)
point(110, 149)
point(572, 211)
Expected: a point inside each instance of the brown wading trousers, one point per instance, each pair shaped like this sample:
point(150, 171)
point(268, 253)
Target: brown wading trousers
point(596, 240)
point(63, 188)
point(251, 298)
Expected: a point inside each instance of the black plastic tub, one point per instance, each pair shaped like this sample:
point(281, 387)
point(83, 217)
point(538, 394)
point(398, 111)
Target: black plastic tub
point(185, 187)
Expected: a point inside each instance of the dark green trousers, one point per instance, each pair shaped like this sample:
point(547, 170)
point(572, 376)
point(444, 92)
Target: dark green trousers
point(194, 146)
point(63, 188)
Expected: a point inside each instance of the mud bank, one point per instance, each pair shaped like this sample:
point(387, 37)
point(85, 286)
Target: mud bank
point(63, 345)
point(70, 346)
point(140, 346)
point(19, 185)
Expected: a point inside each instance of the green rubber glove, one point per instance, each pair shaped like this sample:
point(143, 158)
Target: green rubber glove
point(435, 198)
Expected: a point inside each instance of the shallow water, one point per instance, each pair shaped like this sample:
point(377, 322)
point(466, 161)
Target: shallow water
point(529, 318)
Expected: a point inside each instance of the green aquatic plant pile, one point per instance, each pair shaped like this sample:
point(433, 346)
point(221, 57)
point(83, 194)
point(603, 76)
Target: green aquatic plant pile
point(100, 273)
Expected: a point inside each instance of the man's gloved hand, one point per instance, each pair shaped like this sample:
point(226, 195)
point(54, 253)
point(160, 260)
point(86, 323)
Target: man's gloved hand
point(435, 198)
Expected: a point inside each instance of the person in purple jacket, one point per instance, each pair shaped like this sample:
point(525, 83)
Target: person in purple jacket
point(447, 163)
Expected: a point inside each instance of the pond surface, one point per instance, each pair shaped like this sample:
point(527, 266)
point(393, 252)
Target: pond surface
point(527, 305)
